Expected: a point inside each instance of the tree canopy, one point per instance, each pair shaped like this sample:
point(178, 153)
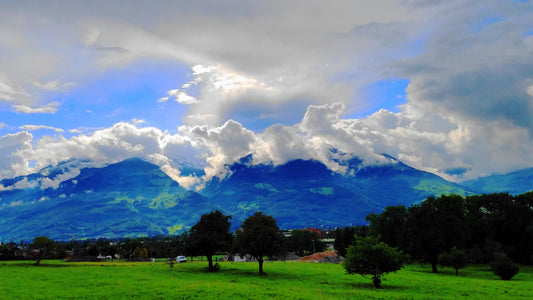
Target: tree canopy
point(434, 227)
point(42, 244)
point(455, 258)
point(370, 257)
point(211, 235)
point(304, 242)
point(259, 236)
point(389, 224)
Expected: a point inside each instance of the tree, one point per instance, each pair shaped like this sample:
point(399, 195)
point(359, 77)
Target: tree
point(455, 258)
point(503, 219)
point(389, 224)
point(370, 257)
point(259, 236)
point(42, 244)
point(303, 242)
point(211, 235)
point(434, 227)
point(344, 237)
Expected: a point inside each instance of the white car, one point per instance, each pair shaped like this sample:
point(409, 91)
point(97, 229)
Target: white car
point(181, 259)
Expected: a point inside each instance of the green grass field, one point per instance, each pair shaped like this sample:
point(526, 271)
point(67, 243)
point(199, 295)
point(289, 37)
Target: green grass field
point(284, 280)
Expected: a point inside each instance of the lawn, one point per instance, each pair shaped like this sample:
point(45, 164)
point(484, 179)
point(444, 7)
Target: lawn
point(284, 280)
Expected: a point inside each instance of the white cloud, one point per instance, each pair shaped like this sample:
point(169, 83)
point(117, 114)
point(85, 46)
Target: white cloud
point(7, 92)
point(138, 121)
point(54, 182)
point(50, 108)
point(4, 188)
point(13, 163)
point(180, 97)
point(435, 142)
point(50, 85)
point(16, 203)
point(39, 127)
point(468, 101)
point(530, 90)
point(24, 183)
point(185, 181)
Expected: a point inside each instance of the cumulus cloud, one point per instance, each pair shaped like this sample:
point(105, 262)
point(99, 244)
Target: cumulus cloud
point(11, 145)
point(412, 137)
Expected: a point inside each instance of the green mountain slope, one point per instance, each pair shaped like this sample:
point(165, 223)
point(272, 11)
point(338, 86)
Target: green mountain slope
point(515, 183)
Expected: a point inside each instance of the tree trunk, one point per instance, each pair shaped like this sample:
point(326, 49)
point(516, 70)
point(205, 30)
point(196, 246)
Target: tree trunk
point(376, 280)
point(456, 272)
point(434, 267)
point(260, 260)
point(210, 266)
point(434, 259)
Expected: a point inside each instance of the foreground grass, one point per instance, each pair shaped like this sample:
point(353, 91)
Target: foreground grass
point(284, 280)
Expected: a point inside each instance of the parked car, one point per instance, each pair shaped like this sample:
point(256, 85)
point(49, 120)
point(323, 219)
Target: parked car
point(181, 259)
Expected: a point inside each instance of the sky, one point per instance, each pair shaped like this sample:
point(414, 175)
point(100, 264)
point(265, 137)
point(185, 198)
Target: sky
point(443, 86)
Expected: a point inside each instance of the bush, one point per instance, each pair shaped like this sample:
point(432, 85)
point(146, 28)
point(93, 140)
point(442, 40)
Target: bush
point(503, 266)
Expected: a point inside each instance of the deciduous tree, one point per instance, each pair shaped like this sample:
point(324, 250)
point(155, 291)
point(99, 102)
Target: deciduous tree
point(211, 235)
point(434, 227)
point(260, 237)
point(42, 244)
point(455, 258)
point(389, 224)
point(370, 257)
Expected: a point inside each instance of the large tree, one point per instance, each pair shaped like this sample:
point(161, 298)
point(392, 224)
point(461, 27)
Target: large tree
point(259, 236)
point(370, 257)
point(388, 225)
point(42, 245)
point(434, 227)
point(211, 235)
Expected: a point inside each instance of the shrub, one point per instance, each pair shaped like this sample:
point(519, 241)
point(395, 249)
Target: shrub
point(503, 266)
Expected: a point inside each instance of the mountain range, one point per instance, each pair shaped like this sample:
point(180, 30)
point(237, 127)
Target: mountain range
point(135, 198)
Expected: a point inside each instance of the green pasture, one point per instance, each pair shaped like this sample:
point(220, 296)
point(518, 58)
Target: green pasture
point(284, 280)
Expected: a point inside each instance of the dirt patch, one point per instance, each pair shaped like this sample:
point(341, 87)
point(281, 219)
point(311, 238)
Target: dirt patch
point(317, 256)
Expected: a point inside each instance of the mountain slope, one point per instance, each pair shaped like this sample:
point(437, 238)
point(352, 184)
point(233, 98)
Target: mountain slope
point(303, 193)
point(131, 198)
point(135, 198)
point(517, 182)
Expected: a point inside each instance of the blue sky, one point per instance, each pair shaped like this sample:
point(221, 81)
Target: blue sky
point(440, 85)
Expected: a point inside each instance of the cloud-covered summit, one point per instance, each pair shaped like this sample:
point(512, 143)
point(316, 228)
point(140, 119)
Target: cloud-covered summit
point(411, 139)
point(213, 81)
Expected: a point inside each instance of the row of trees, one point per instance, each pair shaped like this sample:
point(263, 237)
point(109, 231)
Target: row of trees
point(259, 237)
point(480, 225)
point(449, 231)
point(129, 248)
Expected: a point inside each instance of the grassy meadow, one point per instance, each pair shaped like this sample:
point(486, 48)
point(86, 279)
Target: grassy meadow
point(284, 280)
